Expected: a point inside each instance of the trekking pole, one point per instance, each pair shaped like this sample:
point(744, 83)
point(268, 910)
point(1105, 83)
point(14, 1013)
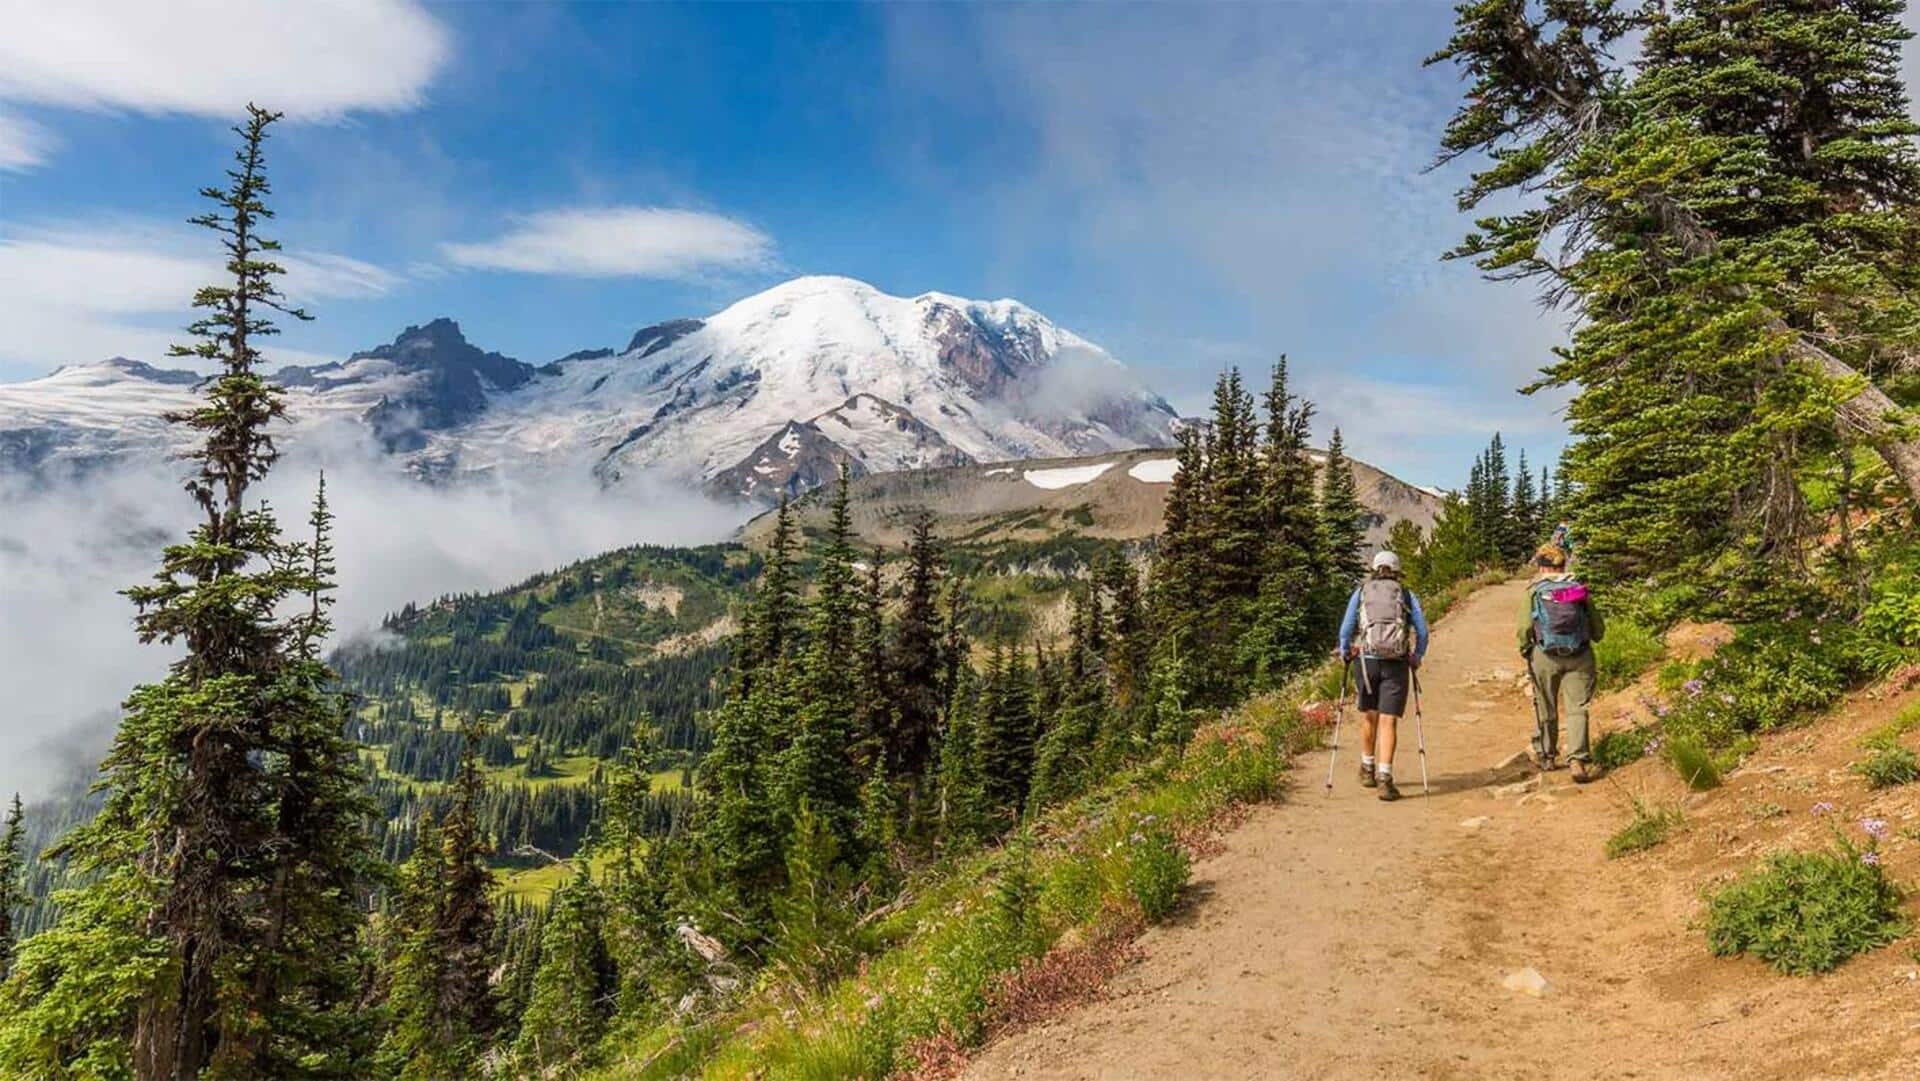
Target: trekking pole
point(1539, 718)
point(1420, 736)
point(1339, 713)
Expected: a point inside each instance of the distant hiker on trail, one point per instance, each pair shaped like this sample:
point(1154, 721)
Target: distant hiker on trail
point(1556, 637)
point(1563, 540)
point(1381, 616)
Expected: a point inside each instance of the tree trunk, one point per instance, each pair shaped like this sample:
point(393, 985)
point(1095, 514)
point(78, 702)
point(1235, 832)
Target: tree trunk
point(1869, 413)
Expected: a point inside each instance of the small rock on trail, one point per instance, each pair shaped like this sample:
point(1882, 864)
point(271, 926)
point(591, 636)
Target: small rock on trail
point(1526, 981)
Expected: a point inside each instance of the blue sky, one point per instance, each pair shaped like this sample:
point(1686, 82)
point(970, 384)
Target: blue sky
point(1189, 185)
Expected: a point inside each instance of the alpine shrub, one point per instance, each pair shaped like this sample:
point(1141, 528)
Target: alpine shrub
point(1628, 650)
point(1805, 912)
point(1621, 747)
point(1888, 766)
point(1156, 870)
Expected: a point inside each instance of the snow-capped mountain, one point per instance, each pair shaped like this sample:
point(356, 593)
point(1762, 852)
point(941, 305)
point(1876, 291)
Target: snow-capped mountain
point(772, 394)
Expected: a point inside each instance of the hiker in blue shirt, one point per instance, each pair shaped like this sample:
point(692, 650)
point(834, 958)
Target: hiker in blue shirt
point(1381, 616)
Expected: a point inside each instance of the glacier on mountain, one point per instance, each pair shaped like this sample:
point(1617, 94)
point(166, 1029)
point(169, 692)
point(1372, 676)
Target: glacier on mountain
point(772, 394)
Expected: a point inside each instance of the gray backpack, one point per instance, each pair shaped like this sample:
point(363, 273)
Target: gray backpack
point(1385, 629)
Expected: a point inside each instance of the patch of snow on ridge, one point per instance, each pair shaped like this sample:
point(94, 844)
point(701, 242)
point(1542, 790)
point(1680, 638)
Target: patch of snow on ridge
point(1003, 471)
point(1155, 470)
point(1055, 479)
point(790, 443)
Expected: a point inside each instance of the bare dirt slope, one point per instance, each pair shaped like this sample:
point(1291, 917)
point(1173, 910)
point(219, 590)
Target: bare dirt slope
point(1341, 937)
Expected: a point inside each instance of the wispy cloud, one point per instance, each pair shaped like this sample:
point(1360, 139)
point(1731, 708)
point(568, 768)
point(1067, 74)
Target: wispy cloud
point(311, 61)
point(23, 144)
point(1253, 175)
point(620, 241)
point(74, 294)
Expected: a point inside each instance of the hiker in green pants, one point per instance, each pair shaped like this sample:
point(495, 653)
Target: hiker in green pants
point(1556, 637)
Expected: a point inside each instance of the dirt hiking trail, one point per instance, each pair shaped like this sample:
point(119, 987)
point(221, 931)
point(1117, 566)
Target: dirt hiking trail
point(1336, 936)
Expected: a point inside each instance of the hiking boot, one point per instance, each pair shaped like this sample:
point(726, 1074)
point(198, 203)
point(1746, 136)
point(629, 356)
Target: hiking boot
point(1584, 771)
point(1388, 793)
point(1366, 776)
point(1545, 762)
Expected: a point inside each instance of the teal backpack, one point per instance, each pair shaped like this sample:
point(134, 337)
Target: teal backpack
point(1560, 617)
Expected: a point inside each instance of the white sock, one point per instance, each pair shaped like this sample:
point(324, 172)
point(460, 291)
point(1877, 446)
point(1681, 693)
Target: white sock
point(1366, 760)
point(1384, 769)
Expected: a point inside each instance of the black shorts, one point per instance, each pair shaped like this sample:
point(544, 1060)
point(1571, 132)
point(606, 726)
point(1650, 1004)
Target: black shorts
point(1383, 685)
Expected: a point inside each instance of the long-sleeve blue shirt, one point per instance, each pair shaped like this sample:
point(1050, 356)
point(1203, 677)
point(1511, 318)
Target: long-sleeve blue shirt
point(1351, 622)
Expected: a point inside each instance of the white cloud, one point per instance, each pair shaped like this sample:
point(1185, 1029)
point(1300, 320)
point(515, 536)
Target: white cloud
point(210, 58)
point(76, 294)
point(23, 144)
point(609, 242)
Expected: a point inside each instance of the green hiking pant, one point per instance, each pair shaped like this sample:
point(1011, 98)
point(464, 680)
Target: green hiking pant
point(1559, 681)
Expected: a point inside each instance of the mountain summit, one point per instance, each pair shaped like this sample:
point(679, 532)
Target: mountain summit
point(772, 394)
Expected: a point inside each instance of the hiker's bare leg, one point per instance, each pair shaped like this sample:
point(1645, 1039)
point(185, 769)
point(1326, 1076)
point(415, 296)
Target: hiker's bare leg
point(1383, 745)
point(1369, 724)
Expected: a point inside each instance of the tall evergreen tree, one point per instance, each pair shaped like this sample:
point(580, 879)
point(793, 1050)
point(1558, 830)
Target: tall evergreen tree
point(1281, 637)
point(873, 693)
point(567, 1009)
point(1007, 732)
point(966, 810)
point(13, 894)
point(1342, 518)
point(915, 661)
point(1523, 512)
point(819, 769)
point(771, 630)
point(1739, 209)
point(221, 878)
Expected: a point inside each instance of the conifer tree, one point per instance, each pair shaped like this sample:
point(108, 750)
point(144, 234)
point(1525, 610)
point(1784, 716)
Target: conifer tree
point(1527, 530)
point(641, 871)
point(222, 877)
point(819, 768)
point(1128, 641)
point(567, 1007)
point(1342, 518)
point(13, 895)
point(966, 811)
point(915, 661)
point(1280, 637)
point(1179, 563)
point(1006, 733)
point(771, 630)
point(873, 696)
point(443, 1009)
point(1740, 204)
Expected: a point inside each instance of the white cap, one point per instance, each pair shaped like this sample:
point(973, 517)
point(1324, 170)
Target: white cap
point(1385, 560)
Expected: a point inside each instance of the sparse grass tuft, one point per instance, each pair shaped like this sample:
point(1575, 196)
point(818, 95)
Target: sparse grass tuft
point(1650, 827)
point(1694, 763)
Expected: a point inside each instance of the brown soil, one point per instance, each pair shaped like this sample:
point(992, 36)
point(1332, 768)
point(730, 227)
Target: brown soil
point(1335, 936)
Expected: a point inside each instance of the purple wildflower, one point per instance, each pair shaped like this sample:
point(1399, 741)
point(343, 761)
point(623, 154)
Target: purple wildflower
point(1660, 709)
point(1694, 687)
point(1823, 807)
point(1870, 858)
point(1876, 828)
